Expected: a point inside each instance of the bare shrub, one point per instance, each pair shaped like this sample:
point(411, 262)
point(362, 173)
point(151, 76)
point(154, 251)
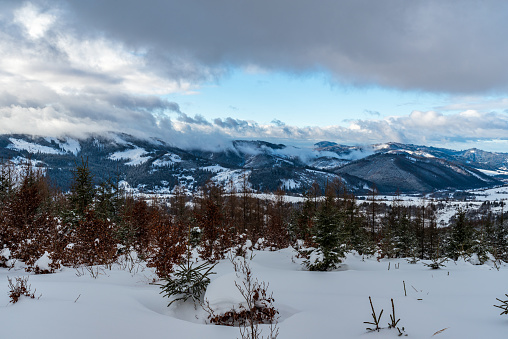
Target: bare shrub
point(257, 309)
point(19, 288)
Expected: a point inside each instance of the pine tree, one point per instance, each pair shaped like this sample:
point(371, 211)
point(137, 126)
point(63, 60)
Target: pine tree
point(355, 236)
point(405, 237)
point(461, 237)
point(327, 234)
point(6, 182)
point(108, 200)
point(28, 220)
point(82, 189)
point(301, 227)
point(501, 237)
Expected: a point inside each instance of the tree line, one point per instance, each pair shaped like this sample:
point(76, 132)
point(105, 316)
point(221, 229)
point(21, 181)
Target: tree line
point(97, 224)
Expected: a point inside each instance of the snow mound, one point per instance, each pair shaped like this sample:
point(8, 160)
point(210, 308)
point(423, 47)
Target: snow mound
point(223, 295)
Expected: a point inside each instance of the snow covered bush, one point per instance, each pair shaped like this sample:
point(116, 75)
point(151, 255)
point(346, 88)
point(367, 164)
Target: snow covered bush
point(94, 241)
point(257, 306)
point(167, 244)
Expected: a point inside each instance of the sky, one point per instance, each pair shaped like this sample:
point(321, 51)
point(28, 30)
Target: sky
point(198, 73)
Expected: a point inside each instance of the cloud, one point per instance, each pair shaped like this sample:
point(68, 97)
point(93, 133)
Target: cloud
point(79, 67)
point(463, 103)
point(197, 120)
point(56, 81)
point(373, 113)
point(279, 123)
point(424, 45)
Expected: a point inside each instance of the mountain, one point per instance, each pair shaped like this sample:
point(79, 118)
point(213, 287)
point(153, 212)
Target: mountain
point(415, 174)
point(416, 169)
point(155, 166)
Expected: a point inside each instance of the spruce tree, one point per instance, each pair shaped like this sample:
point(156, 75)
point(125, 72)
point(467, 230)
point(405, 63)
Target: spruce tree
point(405, 237)
point(82, 189)
point(301, 225)
point(108, 200)
point(355, 236)
point(327, 234)
point(461, 237)
point(6, 182)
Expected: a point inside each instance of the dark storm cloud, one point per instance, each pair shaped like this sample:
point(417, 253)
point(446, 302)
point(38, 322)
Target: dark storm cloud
point(452, 46)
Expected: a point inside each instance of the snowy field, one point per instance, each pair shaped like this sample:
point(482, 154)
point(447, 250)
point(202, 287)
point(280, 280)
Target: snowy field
point(453, 302)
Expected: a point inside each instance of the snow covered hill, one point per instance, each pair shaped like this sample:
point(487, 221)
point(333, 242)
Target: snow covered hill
point(155, 166)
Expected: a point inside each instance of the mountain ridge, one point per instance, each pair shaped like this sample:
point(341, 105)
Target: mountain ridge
point(155, 166)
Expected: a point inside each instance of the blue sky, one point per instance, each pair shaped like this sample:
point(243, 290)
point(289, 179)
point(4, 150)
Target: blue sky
point(198, 73)
point(301, 100)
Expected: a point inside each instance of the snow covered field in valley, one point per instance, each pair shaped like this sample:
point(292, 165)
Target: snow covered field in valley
point(453, 302)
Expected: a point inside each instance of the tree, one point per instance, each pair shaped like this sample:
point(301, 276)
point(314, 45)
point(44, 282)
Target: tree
point(301, 226)
point(82, 189)
point(6, 182)
point(276, 235)
point(28, 221)
point(327, 234)
point(108, 200)
point(355, 236)
point(404, 235)
point(216, 236)
point(461, 237)
point(500, 247)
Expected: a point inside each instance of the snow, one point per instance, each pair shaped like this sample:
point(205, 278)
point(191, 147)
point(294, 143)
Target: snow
point(232, 180)
point(167, 160)
point(493, 173)
point(43, 263)
point(136, 156)
point(456, 300)
point(475, 175)
point(22, 145)
point(20, 167)
point(381, 147)
point(22, 162)
point(290, 184)
point(70, 145)
point(214, 168)
point(417, 153)
point(492, 194)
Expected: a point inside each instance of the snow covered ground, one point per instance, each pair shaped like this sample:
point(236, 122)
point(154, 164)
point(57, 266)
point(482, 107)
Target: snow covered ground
point(22, 145)
point(453, 302)
point(136, 156)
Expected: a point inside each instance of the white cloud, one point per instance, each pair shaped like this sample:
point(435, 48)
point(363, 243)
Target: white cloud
point(34, 22)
